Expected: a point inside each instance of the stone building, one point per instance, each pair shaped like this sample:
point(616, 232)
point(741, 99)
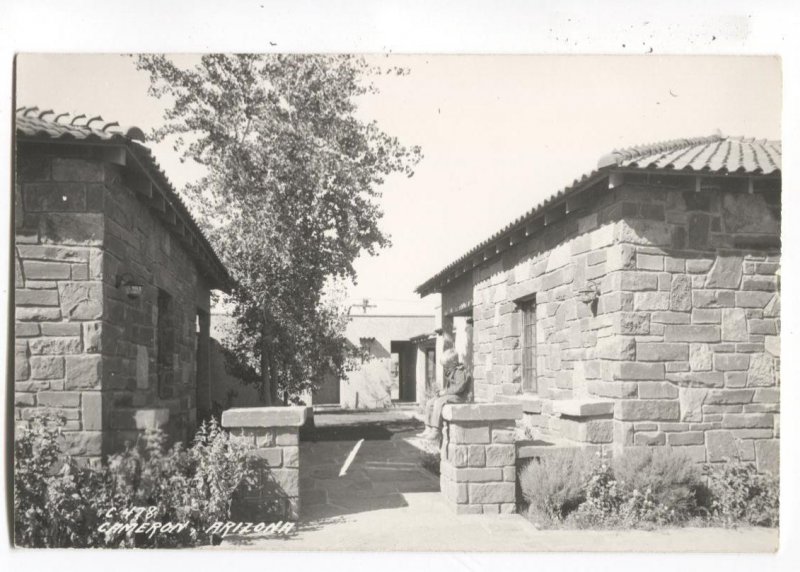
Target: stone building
point(112, 280)
point(397, 361)
point(639, 306)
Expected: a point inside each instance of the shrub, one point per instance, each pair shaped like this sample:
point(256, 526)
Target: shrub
point(740, 495)
point(61, 503)
point(553, 485)
point(663, 484)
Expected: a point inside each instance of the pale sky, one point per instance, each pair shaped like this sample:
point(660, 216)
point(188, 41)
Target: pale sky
point(499, 134)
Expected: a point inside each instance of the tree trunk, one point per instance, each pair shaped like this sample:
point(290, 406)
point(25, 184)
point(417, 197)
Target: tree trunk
point(266, 373)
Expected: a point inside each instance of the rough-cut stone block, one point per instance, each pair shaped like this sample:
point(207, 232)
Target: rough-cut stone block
point(734, 325)
point(491, 493)
point(59, 398)
point(721, 446)
point(697, 378)
point(500, 455)
point(647, 410)
point(476, 455)
point(691, 333)
point(632, 323)
point(582, 407)
point(768, 456)
point(687, 438)
point(41, 270)
point(616, 347)
point(502, 436)
point(265, 417)
point(680, 294)
point(649, 439)
point(83, 443)
point(657, 390)
point(637, 371)
point(613, 389)
point(482, 411)
point(475, 474)
point(288, 480)
point(81, 300)
point(700, 357)
point(725, 273)
point(36, 314)
point(84, 371)
point(77, 170)
point(286, 437)
point(731, 362)
point(729, 396)
point(47, 367)
point(662, 352)
point(650, 301)
point(468, 432)
point(92, 337)
point(55, 346)
point(753, 299)
point(766, 396)
point(762, 371)
point(747, 421)
point(35, 297)
point(92, 411)
point(273, 456)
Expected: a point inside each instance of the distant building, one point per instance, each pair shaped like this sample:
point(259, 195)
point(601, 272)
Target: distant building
point(640, 306)
point(397, 350)
point(112, 278)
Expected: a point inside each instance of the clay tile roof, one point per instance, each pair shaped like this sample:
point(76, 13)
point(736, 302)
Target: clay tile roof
point(33, 124)
point(712, 155)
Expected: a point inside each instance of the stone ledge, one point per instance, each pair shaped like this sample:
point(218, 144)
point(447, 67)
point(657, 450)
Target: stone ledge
point(530, 403)
point(538, 448)
point(265, 417)
point(582, 407)
point(482, 412)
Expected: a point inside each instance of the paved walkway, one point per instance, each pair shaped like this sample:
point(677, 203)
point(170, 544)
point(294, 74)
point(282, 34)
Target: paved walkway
point(386, 500)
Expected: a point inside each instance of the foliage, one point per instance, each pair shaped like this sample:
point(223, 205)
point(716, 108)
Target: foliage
point(742, 495)
point(288, 198)
point(660, 477)
point(59, 502)
point(553, 485)
point(645, 488)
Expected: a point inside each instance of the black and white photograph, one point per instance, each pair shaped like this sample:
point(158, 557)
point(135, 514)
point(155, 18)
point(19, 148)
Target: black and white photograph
point(309, 300)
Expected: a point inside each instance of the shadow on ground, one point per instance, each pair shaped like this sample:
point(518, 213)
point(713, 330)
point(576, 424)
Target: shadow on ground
point(385, 467)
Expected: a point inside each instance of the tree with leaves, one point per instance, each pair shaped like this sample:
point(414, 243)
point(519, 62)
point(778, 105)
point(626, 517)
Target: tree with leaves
point(288, 198)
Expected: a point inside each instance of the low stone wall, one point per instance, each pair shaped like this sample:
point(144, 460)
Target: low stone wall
point(275, 434)
point(478, 457)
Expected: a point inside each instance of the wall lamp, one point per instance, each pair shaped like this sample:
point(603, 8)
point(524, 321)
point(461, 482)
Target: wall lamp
point(132, 289)
point(588, 293)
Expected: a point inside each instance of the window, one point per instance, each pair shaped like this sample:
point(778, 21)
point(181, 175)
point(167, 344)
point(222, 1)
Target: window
point(165, 346)
point(528, 310)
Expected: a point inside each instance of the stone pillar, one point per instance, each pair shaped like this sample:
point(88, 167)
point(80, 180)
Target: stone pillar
point(478, 457)
point(274, 434)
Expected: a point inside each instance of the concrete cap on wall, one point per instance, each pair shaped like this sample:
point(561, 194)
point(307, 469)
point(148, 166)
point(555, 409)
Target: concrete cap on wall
point(294, 416)
point(482, 411)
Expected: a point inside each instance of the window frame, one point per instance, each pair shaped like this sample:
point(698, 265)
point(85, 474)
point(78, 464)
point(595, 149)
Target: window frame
point(529, 374)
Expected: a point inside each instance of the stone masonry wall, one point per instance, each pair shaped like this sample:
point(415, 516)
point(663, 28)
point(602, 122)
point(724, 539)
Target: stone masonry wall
point(58, 261)
point(83, 349)
point(478, 458)
point(273, 433)
point(702, 309)
point(683, 339)
point(146, 368)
